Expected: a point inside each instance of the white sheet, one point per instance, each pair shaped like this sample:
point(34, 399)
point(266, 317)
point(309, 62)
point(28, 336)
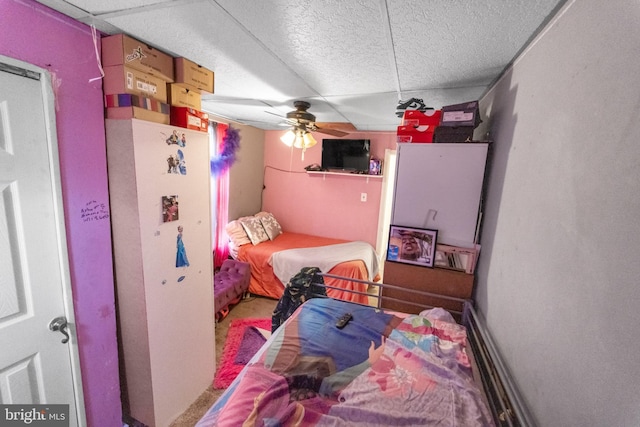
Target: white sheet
point(288, 263)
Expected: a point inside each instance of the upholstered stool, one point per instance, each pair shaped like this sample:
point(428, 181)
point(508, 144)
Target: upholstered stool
point(229, 285)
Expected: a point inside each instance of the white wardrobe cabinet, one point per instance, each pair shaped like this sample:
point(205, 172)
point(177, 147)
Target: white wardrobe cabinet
point(159, 198)
point(439, 186)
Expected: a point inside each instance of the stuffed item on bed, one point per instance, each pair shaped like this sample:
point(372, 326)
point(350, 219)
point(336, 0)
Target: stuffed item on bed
point(375, 369)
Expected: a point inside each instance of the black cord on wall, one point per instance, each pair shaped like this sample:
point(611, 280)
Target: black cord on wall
point(264, 176)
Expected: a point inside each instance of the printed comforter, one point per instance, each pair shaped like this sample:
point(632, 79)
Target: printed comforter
point(380, 369)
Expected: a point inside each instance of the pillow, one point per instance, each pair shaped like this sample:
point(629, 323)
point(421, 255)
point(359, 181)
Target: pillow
point(254, 229)
point(270, 224)
point(236, 233)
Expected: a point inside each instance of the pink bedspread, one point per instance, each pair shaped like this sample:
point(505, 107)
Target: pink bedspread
point(379, 370)
point(264, 282)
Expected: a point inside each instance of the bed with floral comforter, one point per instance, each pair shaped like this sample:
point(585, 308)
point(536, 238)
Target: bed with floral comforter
point(385, 369)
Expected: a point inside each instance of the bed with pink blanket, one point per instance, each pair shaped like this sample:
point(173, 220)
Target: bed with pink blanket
point(379, 369)
point(265, 279)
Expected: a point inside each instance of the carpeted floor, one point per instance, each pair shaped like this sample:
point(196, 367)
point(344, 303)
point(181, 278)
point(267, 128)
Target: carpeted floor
point(251, 307)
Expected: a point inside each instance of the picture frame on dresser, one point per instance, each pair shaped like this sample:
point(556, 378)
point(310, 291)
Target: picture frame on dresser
point(411, 245)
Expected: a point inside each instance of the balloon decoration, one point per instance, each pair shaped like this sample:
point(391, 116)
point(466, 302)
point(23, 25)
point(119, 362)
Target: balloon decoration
point(230, 144)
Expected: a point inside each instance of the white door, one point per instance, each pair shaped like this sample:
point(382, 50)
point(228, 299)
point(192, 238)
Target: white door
point(35, 366)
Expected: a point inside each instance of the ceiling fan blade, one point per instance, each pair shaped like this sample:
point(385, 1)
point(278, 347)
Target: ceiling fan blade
point(274, 114)
point(333, 132)
point(343, 126)
point(285, 121)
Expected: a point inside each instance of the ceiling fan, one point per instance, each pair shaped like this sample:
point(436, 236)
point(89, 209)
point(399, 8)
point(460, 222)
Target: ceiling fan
point(303, 123)
point(301, 118)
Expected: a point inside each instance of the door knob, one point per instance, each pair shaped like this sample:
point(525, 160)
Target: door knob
point(60, 324)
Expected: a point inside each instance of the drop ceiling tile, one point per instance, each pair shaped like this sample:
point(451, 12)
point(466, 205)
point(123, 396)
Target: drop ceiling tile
point(337, 47)
point(212, 40)
point(443, 44)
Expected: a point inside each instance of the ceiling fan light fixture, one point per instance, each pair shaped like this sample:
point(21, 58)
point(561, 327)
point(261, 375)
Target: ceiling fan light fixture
point(309, 140)
point(303, 139)
point(298, 138)
point(288, 138)
point(298, 142)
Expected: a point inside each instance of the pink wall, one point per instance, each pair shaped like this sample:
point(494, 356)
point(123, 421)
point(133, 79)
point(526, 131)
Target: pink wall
point(326, 206)
point(35, 34)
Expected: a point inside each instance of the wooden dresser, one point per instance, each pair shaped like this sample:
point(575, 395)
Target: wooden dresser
point(435, 280)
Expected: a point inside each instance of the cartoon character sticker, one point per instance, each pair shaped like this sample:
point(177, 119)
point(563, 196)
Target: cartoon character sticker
point(176, 138)
point(176, 163)
point(181, 252)
point(182, 164)
point(172, 163)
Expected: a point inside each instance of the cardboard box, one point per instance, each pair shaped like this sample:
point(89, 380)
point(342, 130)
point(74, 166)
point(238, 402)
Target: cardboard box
point(423, 133)
point(193, 75)
point(465, 114)
point(189, 118)
point(137, 113)
point(417, 118)
point(182, 96)
point(129, 100)
point(444, 134)
point(122, 79)
point(121, 49)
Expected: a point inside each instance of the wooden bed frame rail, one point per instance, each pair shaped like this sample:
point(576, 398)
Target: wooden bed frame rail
point(505, 403)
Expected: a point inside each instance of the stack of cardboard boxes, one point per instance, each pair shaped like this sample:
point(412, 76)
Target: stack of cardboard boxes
point(144, 83)
point(454, 123)
point(418, 126)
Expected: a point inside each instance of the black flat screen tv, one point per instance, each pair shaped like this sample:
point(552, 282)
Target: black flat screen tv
point(346, 155)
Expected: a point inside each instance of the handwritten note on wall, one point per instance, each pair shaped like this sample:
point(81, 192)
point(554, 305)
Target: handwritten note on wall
point(94, 211)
